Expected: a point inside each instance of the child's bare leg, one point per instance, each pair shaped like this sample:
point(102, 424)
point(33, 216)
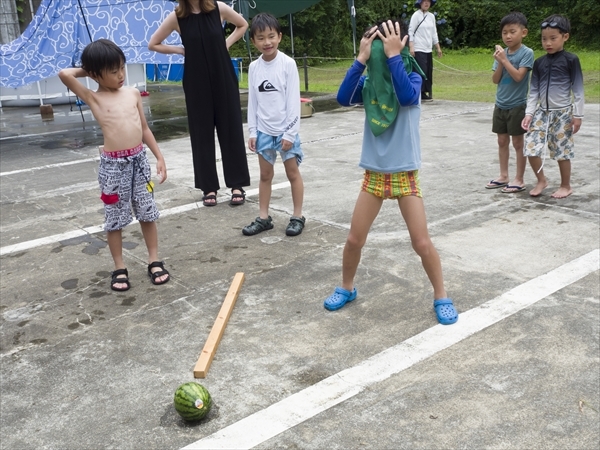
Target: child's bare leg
point(115, 245)
point(365, 211)
point(536, 164)
point(517, 142)
point(503, 156)
point(150, 232)
point(413, 212)
point(264, 186)
point(293, 174)
point(565, 179)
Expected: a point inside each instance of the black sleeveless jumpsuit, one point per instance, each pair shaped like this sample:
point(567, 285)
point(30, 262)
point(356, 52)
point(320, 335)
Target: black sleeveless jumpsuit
point(212, 99)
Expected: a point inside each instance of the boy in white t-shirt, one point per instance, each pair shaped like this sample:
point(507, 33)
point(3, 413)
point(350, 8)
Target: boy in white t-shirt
point(274, 121)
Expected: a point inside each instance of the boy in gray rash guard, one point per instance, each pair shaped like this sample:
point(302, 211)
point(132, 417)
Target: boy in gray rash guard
point(555, 106)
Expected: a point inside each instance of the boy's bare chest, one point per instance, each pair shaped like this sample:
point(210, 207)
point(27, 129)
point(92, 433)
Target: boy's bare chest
point(117, 109)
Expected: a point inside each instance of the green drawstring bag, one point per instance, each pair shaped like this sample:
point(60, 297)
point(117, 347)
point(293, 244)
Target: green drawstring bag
point(379, 98)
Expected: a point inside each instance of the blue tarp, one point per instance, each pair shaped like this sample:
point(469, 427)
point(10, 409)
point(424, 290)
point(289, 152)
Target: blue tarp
point(61, 29)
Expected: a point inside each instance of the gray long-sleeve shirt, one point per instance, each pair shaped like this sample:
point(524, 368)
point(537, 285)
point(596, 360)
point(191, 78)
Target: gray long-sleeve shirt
point(556, 83)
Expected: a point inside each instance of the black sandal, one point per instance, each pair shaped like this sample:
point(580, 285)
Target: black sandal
point(154, 275)
point(115, 280)
point(237, 199)
point(212, 197)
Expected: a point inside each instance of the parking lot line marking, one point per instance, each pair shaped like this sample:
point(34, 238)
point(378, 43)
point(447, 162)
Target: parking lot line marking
point(50, 166)
point(21, 246)
point(295, 409)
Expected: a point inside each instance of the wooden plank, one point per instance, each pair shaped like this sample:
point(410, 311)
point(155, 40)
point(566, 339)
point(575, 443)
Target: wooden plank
point(210, 347)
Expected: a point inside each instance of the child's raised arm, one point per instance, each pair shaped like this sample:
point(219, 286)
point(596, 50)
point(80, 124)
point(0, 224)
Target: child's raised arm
point(515, 74)
point(69, 78)
point(350, 91)
point(497, 75)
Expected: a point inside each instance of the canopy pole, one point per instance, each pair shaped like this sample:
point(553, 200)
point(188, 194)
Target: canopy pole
point(292, 34)
point(244, 10)
point(38, 83)
point(353, 22)
point(40, 93)
point(85, 20)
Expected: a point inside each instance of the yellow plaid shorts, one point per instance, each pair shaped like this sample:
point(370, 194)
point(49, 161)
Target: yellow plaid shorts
point(392, 185)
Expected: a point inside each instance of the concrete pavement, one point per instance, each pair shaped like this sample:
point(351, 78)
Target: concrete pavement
point(85, 367)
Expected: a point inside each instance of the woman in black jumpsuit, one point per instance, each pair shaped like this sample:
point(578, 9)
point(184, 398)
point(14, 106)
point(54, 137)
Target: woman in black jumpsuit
point(211, 92)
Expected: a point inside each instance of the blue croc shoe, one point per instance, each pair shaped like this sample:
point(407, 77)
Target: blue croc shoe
point(445, 311)
point(339, 298)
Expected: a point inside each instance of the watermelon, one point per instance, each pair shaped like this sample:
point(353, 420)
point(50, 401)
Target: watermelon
point(192, 401)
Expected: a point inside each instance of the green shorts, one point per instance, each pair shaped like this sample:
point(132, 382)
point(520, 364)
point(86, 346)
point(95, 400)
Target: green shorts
point(508, 121)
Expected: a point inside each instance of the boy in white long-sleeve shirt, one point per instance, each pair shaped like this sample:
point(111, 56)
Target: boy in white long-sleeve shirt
point(274, 121)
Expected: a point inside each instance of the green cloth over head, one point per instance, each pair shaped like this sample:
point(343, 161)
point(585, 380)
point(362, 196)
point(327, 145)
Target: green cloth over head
point(379, 98)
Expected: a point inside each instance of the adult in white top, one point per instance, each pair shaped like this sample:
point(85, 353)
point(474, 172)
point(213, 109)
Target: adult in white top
point(423, 37)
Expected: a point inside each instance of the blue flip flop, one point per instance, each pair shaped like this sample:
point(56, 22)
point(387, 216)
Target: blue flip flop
point(512, 189)
point(445, 311)
point(339, 298)
point(493, 184)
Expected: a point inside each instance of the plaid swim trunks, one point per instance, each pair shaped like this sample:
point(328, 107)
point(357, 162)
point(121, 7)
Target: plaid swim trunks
point(392, 185)
point(552, 129)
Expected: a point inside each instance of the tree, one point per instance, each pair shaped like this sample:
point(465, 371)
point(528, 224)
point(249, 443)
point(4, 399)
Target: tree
point(9, 21)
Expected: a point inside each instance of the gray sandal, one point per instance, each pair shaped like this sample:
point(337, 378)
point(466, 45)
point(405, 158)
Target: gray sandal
point(295, 226)
point(258, 226)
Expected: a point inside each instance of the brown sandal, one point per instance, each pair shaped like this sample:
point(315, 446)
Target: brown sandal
point(209, 200)
point(237, 199)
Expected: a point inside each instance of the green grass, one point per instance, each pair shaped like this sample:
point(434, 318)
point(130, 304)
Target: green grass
point(459, 75)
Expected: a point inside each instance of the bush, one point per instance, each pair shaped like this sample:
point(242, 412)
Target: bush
point(325, 30)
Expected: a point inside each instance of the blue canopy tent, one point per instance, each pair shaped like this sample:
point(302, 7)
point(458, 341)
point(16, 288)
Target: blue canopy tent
point(61, 29)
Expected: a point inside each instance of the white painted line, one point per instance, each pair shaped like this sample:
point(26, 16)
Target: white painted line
point(458, 113)
point(49, 240)
point(50, 166)
point(21, 246)
point(295, 409)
